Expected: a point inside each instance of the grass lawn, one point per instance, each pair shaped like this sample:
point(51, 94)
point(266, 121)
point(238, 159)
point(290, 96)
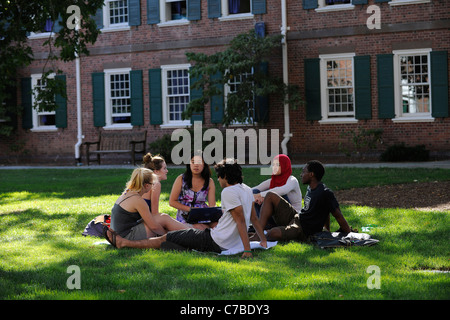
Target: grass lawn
point(44, 211)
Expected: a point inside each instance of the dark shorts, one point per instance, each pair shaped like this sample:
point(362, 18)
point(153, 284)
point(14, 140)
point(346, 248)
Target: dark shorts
point(194, 239)
point(288, 221)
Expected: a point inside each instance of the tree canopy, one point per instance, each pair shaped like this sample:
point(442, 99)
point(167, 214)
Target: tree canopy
point(244, 62)
point(20, 18)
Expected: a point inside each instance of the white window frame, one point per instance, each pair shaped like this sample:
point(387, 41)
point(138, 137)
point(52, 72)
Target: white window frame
point(36, 114)
point(43, 34)
point(326, 118)
point(165, 98)
point(165, 15)
point(226, 15)
point(107, 26)
point(410, 117)
point(227, 91)
point(109, 125)
point(406, 2)
point(323, 7)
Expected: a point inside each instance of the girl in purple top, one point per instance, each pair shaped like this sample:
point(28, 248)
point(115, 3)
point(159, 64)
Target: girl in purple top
point(193, 189)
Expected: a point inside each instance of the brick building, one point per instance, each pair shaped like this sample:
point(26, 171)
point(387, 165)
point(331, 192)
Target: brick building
point(360, 64)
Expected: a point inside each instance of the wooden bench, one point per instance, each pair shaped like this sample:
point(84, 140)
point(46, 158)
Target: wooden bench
point(131, 142)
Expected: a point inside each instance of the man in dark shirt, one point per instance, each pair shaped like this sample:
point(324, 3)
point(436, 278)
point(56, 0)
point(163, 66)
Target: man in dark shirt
point(319, 202)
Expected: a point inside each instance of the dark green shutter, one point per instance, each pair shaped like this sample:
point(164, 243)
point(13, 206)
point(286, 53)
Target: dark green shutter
point(98, 95)
point(217, 102)
point(61, 111)
point(259, 6)
point(153, 12)
point(312, 89)
point(98, 18)
point(194, 10)
point(439, 84)
point(137, 102)
point(134, 11)
point(310, 4)
point(385, 80)
point(57, 26)
point(363, 97)
point(382, 1)
point(195, 94)
point(214, 9)
point(27, 104)
point(155, 93)
point(262, 102)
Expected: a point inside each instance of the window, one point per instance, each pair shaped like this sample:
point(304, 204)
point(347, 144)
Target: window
point(334, 5)
point(405, 2)
point(233, 86)
point(337, 87)
point(176, 93)
point(236, 9)
point(173, 12)
point(412, 84)
point(42, 120)
point(118, 98)
point(115, 14)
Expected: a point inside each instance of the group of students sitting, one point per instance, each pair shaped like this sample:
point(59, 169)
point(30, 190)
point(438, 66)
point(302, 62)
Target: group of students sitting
point(274, 205)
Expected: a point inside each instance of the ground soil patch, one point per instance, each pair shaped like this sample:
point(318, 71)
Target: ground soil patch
point(420, 195)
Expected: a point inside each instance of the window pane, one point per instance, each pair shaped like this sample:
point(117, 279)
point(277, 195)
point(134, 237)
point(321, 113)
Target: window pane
point(414, 84)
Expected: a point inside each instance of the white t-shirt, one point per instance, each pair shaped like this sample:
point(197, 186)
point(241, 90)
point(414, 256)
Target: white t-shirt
point(291, 189)
point(226, 233)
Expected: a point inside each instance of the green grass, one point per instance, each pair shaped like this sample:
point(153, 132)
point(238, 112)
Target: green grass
point(44, 211)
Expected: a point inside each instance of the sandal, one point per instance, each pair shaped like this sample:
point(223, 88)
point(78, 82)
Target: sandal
point(113, 235)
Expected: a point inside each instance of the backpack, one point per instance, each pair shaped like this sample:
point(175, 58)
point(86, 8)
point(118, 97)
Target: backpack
point(95, 227)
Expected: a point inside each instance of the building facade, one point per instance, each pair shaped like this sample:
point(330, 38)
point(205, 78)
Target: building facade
point(359, 64)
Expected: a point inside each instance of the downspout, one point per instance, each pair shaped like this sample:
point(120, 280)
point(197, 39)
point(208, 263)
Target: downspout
point(284, 28)
point(79, 122)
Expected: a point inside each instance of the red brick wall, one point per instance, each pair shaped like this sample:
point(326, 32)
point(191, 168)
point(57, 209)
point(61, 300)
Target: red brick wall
point(308, 137)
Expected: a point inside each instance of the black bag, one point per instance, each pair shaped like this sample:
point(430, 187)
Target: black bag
point(95, 227)
point(326, 239)
point(203, 215)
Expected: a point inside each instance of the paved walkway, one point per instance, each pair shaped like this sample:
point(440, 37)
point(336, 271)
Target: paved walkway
point(445, 164)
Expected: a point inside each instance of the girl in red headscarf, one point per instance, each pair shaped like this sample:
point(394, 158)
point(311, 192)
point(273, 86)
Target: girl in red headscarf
point(282, 182)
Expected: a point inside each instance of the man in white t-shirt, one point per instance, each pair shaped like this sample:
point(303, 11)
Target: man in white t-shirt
point(231, 230)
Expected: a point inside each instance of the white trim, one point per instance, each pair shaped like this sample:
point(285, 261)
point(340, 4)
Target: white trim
point(326, 118)
point(413, 119)
point(164, 15)
point(171, 23)
point(35, 113)
point(108, 112)
point(323, 7)
point(107, 26)
point(398, 102)
point(237, 16)
point(338, 120)
point(405, 2)
point(227, 16)
point(165, 108)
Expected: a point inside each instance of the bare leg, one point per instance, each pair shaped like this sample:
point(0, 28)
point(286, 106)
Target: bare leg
point(271, 201)
point(169, 223)
point(152, 243)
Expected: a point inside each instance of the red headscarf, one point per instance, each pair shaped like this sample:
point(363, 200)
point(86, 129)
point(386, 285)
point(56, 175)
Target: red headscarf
point(286, 171)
